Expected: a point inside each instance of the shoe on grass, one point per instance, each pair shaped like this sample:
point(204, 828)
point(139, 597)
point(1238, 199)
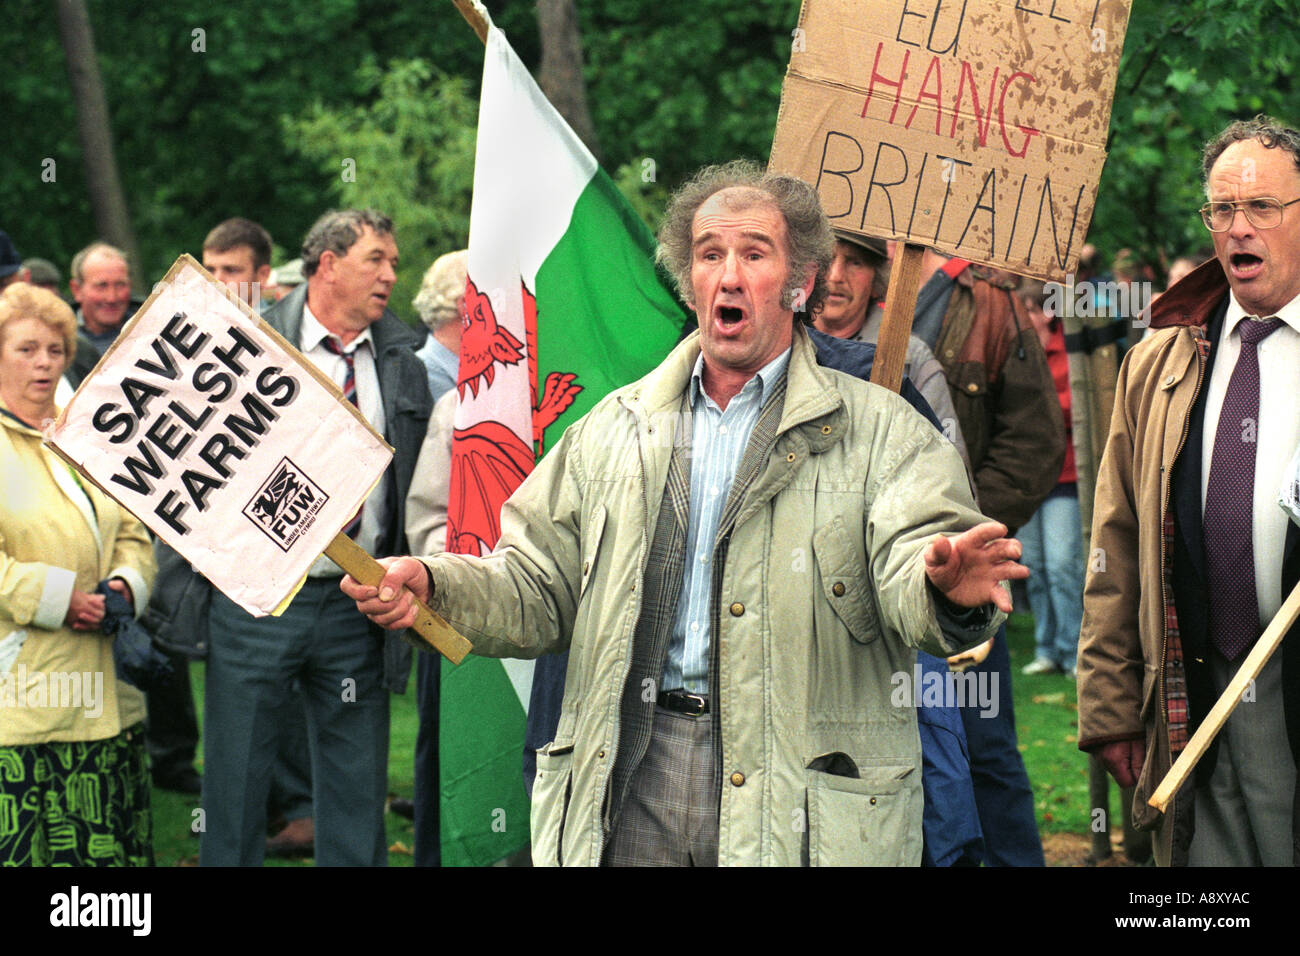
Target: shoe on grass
point(1040, 665)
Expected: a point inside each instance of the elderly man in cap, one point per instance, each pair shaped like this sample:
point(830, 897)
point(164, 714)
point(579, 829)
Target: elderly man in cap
point(854, 309)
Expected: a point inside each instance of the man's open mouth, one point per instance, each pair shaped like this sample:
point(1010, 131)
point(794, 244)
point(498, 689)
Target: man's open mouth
point(1245, 265)
point(730, 316)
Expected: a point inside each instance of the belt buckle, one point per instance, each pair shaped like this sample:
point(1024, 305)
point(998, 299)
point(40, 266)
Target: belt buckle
point(685, 702)
point(698, 703)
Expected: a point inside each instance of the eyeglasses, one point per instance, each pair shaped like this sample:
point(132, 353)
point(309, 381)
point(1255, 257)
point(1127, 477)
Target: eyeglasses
point(1264, 212)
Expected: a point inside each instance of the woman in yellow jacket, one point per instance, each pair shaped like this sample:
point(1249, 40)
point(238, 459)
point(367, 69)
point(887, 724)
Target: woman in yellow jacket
point(74, 782)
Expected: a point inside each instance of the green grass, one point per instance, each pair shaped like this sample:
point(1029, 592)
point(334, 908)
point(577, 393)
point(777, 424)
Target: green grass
point(173, 814)
point(1046, 719)
point(1047, 723)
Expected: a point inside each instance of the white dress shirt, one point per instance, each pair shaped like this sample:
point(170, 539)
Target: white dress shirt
point(311, 341)
point(1277, 436)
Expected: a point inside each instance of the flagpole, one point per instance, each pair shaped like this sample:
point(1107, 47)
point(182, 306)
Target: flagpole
point(475, 15)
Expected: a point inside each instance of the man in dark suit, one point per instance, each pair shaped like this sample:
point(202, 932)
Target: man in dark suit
point(1179, 589)
point(339, 319)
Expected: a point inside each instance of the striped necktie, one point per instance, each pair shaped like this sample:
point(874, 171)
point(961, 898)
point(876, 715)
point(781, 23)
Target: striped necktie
point(334, 345)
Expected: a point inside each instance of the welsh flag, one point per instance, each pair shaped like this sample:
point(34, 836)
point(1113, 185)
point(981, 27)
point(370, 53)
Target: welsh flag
point(563, 305)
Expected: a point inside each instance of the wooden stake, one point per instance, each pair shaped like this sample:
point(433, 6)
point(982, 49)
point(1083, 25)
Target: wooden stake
point(440, 635)
point(1223, 708)
point(474, 15)
point(896, 329)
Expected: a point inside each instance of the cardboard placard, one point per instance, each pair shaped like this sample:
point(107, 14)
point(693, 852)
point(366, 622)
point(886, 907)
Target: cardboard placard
point(975, 127)
point(206, 424)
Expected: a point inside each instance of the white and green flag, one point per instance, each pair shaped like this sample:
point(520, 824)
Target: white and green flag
point(563, 305)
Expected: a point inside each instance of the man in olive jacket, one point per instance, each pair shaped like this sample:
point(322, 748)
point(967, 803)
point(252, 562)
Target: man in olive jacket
point(735, 553)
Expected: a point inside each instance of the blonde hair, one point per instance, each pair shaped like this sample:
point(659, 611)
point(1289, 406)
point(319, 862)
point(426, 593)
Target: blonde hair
point(21, 300)
point(442, 288)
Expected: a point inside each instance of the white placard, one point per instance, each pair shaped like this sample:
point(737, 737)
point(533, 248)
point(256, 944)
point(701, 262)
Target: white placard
point(223, 439)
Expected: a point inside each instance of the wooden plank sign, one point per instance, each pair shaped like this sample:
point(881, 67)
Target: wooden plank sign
point(976, 127)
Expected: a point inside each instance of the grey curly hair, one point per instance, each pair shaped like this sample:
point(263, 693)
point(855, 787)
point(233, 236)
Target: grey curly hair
point(809, 240)
point(337, 231)
point(1270, 132)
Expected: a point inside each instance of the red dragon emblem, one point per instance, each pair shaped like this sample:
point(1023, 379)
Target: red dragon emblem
point(488, 460)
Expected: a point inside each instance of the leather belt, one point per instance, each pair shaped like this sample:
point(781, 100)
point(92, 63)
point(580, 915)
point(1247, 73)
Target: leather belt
point(684, 702)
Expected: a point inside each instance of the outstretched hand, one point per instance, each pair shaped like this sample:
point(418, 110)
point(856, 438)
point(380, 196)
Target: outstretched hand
point(390, 605)
point(969, 568)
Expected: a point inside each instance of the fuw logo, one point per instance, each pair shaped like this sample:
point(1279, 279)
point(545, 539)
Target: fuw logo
point(286, 505)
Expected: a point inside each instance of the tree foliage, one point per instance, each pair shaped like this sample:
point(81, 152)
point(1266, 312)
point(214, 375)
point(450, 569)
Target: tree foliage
point(1188, 70)
point(198, 94)
point(409, 152)
point(236, 119)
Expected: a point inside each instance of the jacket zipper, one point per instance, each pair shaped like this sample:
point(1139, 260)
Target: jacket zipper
point(627, 669)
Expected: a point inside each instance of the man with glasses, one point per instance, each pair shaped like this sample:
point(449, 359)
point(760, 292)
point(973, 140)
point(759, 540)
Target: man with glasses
point(1181, 584)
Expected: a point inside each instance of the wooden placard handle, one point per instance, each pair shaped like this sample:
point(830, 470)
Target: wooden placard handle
point(1227, 703)
point(352, 558)
point(896, 329)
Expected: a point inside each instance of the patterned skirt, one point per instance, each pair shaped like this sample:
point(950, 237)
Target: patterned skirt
point(76, 803)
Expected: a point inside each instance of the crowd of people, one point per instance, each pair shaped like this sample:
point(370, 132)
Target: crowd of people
point(711, 695)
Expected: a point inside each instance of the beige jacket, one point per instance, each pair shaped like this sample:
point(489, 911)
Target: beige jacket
point(56, 683)
point(824, 601)
point(1124, 639)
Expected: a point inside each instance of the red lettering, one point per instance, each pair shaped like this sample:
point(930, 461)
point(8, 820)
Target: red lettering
point(896, 84)
point(1002, 101)
point(936, 71)
point(982, 127)
point(931, 91)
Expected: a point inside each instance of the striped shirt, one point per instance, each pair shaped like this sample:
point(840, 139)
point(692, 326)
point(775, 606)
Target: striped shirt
point(718, 440)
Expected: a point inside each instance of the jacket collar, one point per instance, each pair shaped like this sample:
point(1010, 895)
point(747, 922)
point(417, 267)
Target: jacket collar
point(9, 420)
point(1193, 299)
point(388, 333)
point(810, 390)
point(72, 488)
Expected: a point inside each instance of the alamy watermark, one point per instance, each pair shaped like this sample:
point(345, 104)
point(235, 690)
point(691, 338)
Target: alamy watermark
point(133, 911)
point(1087, 299)
point(971, 688)
point(61, 689)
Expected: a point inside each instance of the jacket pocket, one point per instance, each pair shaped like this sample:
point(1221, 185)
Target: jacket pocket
point(1149, 684)
point(844, 582)
point(552, 787)
point(591, 546)
point(1144, 815)
point(859, 821)
point(969, 385)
